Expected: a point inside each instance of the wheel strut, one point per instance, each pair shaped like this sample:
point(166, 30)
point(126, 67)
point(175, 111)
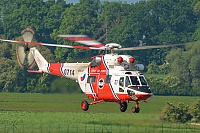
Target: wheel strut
point(136, 109)
point(85, 104)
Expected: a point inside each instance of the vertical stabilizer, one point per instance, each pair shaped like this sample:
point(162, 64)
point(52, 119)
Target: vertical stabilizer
point(40, 60)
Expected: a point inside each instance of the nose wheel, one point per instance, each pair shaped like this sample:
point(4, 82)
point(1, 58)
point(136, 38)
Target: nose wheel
point(136, 109)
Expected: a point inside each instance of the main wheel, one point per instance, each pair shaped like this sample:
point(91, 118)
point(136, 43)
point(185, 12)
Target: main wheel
point(135, 110)
point(123, 106)
point(84, 105)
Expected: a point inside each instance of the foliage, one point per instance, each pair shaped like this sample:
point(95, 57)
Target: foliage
point(164, 68)
point(153, 68)
point(62, 85)
point(181, 112)
point(168, 85)
point(195, 111)
point(184, 65)
point(152, 22)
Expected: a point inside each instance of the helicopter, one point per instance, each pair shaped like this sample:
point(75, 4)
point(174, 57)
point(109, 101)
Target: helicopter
point(108, 77)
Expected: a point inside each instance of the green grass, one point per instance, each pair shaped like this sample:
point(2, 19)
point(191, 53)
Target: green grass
point(62, 110)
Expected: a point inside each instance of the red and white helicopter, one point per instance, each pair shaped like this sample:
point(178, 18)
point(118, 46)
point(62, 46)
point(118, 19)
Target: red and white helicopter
point(107, 78)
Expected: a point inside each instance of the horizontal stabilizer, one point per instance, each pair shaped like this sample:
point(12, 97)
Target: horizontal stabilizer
point(36, 72)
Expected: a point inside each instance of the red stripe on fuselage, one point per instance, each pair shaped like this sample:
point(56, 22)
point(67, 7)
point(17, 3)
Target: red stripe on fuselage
point(55, 69)
point(100, 72)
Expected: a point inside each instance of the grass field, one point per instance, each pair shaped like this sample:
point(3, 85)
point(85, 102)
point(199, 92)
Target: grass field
point(62, 110)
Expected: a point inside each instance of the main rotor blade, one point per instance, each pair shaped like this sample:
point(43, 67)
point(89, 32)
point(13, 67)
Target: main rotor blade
point(154, 46)
point(52, 45)
point(83, 39)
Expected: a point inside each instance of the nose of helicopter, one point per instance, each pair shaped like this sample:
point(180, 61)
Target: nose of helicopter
point(139, 92)
point(143, 96)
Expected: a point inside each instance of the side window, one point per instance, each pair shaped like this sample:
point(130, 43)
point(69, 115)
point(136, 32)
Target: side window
point(108, 78)
point(95, 62)
point(91, 79)
point(121, 82)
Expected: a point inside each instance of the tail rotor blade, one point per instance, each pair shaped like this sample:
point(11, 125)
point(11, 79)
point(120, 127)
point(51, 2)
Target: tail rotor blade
point(31, 61)
point(20, 54)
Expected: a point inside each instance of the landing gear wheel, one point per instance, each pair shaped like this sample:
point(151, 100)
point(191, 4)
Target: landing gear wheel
point(84, 105)
point(123, 106)
point(135, 110)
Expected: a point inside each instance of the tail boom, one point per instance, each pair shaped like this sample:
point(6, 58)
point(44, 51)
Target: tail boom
point(40, 60)
point(68, 70)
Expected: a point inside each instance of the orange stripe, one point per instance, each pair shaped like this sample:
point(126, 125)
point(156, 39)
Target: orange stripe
point(55, 69)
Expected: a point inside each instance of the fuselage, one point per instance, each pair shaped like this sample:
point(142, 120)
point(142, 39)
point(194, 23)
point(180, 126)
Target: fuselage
point(107, 77)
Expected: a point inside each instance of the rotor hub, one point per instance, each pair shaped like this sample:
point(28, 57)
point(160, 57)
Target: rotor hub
point(113, 46)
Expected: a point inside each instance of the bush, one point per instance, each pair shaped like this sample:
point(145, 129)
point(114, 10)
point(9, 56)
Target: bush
point(195, 111)
point(181, 113)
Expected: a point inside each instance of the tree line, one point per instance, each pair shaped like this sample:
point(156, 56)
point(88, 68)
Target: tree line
point(152, 22)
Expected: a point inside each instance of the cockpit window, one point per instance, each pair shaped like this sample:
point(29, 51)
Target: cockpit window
point(121, 81)
point(142, 80)
point(134, 80)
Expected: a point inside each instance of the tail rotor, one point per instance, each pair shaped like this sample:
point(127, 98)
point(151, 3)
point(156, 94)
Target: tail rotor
point(23, 54)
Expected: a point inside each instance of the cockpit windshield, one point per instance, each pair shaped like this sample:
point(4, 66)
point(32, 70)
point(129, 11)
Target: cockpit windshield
point(142, 80)
point(135, 80)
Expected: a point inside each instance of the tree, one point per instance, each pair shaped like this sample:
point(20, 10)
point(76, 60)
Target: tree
point(53, 18)
point(20, 14)
point(8, 75)
point(185, 66)
point(153, 68)
point(196, 34)
point(76, 22)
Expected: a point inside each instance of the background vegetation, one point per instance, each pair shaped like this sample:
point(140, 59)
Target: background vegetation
point(143, 23)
